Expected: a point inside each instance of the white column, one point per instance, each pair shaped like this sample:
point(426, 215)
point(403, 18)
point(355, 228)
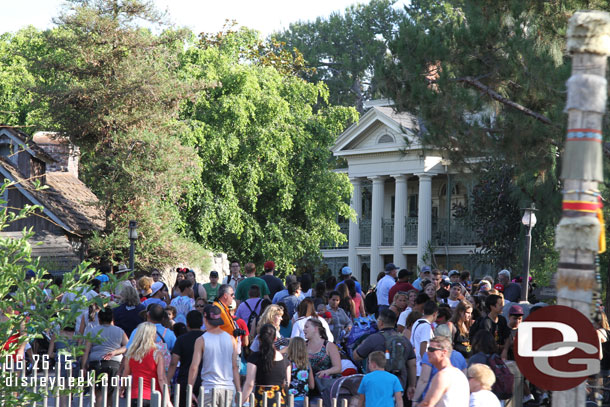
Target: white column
point(400, 211)
point(424, 216)
point(376, 220)
point(354, 229)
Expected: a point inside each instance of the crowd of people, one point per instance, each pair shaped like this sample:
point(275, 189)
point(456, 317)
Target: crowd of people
point(439, 340)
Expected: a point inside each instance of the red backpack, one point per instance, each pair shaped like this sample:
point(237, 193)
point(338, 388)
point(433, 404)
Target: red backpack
point(505, 380)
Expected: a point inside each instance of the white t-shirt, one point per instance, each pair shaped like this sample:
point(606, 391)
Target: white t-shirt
point(421, 332)
point(383, 289)
point(484, 398)
point(452, 303)
point(402, 318)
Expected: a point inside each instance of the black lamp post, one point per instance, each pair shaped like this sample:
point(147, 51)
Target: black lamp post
point(133, 236)
point(529, 221)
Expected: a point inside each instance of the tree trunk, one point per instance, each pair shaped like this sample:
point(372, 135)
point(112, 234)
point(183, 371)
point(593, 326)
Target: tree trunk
point(578, 232)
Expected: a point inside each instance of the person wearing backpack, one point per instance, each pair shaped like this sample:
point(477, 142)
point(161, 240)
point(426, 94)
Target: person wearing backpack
point(398, 349)
point(250, 309)
point(155, 315)
point(484, 350)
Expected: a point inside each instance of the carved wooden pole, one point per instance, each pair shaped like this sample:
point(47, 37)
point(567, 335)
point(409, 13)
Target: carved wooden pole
point(579, 234)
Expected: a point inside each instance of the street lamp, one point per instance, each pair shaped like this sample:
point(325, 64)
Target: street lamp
point(133, 236)
point(529, 221)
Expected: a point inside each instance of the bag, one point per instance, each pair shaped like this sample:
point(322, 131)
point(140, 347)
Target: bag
point(362, 326)
point(396, 345)
point(505, 380)
point(253, 314)
point(162, 347)
point(370, 302)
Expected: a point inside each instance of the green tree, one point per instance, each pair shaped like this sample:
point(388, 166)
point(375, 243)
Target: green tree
point(115, 89)
point(487, 79)
point(266, 189)
point(30, 307)
point(345, 49)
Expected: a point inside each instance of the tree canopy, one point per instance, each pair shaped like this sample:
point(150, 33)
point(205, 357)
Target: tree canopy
point(266, 189)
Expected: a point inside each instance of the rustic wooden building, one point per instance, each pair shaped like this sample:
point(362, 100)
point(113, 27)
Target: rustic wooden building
point(71, 211)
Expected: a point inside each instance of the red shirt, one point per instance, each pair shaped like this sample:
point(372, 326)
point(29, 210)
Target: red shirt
point(400, 286)
point(147, 370)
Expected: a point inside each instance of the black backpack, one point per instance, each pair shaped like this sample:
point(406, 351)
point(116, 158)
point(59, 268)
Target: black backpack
point(253, 314)
point(370, 302)
point(396, 345)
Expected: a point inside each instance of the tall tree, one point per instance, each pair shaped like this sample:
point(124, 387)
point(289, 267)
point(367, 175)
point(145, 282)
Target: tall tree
point(487, 79)
point(114, 88)
point(344, 49)
point(266, 189)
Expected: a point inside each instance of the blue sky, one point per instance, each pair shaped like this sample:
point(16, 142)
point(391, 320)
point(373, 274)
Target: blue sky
point(199, 15)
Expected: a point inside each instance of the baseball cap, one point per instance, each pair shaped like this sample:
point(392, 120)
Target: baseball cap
point(213, 315)
point(214, 273)
point(30, 274)
point(442, 330)
point(389, 267)
point(455, 285)
point(499, 287)
point(445, 282)
point(453, 273)
point(426, 269)
point(346, 271)
point(156, 287)
point(269, 265)
point(515, 310)
point(103, 278)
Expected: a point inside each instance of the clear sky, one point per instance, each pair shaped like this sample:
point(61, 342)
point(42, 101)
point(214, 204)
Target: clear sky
point(199, 15)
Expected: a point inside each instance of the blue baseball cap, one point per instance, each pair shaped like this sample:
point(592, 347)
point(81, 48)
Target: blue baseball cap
point(426, 269)
point(389, 267)
point(346, 271)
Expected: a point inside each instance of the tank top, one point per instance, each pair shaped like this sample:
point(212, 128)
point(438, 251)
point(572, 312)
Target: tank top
point(217, 370)
point(357, 301)
point(458, 392)
point(147, 370)
point(320, 360)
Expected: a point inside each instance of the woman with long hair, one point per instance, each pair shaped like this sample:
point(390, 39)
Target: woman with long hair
point(462, 321)
point(286, 323)
point(356, 297)
point(179, 277)
point(145, 361)
point(430, 290)
point(306, 311)
point(399, 302)
point(323, 355)
point(267, 370)
point(272, 315)
point(483, 346)
point(301, 374)
point(319, 295)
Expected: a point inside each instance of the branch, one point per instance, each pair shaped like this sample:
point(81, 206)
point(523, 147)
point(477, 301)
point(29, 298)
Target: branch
point(495, 95)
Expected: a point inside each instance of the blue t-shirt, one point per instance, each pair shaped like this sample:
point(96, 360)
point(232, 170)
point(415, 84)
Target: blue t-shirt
point(457, 360)
point(280, 295)
point(358, 288)
point(168, 336)
point(154, 301)
point(378, 388)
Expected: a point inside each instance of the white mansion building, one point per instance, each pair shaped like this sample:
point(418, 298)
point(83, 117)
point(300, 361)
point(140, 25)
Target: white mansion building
point(406, 198)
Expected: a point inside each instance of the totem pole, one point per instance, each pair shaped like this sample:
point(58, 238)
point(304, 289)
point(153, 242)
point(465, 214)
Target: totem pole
point(580, 233)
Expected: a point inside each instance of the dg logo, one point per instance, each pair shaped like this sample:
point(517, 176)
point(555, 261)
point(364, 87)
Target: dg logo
point(557, 348)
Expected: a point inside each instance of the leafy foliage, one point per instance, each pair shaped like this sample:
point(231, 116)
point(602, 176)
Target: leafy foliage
point(266, 189)
point(30, 307)
point(345, 49)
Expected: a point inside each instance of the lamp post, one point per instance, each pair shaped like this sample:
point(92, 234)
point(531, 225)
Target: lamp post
point(529, 221)
point(133, 236)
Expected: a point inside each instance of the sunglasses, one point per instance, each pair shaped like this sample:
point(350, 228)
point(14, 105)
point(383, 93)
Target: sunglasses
point(431, 349)
point(200, 306)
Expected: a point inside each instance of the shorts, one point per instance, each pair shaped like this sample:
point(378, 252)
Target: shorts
point(104, 367)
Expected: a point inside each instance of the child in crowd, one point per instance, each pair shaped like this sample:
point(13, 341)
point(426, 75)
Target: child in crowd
point(302, 378)
point(184, 302)
point(379, 388)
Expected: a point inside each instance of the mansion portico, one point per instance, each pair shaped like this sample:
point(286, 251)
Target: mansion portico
point(407, 199)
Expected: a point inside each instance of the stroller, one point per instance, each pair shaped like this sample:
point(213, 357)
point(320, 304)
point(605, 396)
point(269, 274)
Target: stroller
point(344, 388)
